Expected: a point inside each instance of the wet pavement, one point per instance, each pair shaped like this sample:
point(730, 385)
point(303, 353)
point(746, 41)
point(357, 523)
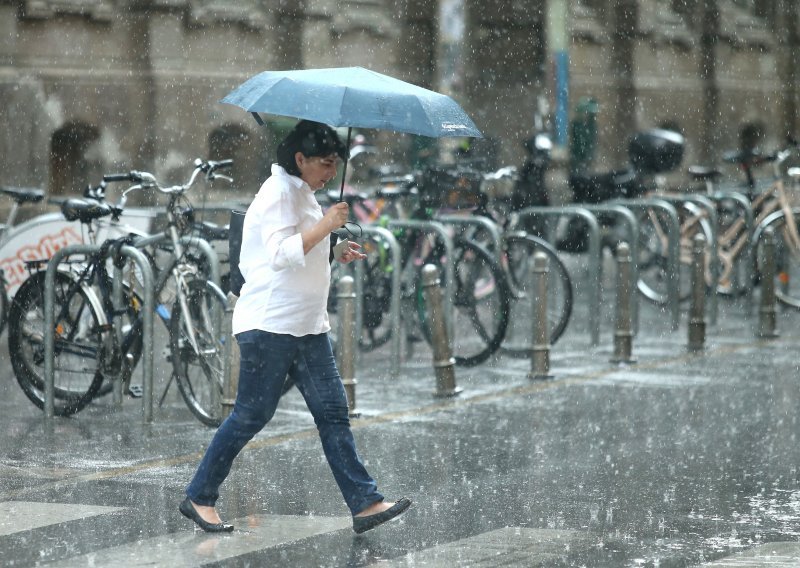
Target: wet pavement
point(681, 459)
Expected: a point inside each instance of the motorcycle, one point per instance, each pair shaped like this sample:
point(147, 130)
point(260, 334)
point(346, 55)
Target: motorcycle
point(650, 152)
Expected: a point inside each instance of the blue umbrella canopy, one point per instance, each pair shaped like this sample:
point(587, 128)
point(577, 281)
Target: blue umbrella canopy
point(353, 97)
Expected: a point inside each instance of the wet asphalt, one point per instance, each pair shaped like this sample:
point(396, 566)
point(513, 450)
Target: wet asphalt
point(681, 459)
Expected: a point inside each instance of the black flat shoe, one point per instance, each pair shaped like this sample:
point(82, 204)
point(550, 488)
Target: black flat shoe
point(187, 510)
point(363, 524)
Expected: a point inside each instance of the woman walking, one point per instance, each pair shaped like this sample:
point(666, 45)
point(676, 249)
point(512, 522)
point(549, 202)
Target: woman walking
point(281, 324)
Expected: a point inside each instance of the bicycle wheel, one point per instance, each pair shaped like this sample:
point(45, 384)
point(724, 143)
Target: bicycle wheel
point(78, 346)
point(199, 369)
point(654, 270)
point(787, 261)
point(376, 327)
point(518, 258)
point(481, 304)
point(3, 302)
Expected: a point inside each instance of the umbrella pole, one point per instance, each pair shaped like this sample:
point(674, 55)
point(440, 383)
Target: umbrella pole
point(344, 168)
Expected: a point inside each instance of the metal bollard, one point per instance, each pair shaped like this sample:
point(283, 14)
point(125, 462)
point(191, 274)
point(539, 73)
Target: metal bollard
point(346, 348)
point(766, 311)
point(540, 349)
point(697, 322)
point(623, 334)
point(443, 361)
point(230, 381)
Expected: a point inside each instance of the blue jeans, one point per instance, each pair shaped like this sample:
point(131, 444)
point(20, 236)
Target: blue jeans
point(266, 359)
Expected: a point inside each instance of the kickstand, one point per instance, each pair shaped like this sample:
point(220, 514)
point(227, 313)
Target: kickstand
point(166, 389)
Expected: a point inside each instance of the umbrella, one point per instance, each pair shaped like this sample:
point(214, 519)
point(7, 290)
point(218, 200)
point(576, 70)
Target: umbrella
point(353, 97)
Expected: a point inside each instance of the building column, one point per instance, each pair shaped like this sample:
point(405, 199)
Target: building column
point(709, 38)
point(623, 29)
point(505, 69)
point(786, 25)
point(289, 19)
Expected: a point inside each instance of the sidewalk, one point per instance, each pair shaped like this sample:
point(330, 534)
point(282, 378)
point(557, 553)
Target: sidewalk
point(678, 460)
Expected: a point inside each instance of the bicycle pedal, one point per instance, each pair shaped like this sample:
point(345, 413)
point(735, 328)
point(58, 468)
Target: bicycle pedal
point(135, 391)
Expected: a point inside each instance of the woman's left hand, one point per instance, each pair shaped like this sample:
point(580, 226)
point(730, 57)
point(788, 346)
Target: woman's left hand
point(351, 253)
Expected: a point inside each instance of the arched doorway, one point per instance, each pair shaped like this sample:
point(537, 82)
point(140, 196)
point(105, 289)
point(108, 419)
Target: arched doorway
point(73, 164)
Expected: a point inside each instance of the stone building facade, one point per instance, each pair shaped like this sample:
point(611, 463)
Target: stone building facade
point(92, 86)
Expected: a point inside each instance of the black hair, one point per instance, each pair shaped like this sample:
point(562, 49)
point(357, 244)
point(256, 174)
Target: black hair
point(311, 139)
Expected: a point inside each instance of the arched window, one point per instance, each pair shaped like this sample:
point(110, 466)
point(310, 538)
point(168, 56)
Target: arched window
point(73, 164)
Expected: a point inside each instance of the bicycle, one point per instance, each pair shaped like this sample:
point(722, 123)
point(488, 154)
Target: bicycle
point(481, 293)
point(737, 243)
point(466, 190)
point(96, 340)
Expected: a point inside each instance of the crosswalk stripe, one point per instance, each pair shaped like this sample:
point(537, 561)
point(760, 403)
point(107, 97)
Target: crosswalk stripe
point(18, 516)
point(510, 546)
point(193, 547)
point(772, 554)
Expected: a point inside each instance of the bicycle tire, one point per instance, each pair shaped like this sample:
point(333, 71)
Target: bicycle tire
point(376, 327)
point(4, 301)
point(787, 261)
point(481, 304)
point(78, 346)
point(653, 257)
point(199, 371)
point(519, 251)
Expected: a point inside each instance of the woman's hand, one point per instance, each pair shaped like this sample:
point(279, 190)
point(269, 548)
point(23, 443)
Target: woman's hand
point(350, 253)
point(337, 215)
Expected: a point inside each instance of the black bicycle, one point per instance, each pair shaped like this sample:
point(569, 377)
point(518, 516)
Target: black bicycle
point(98, 340)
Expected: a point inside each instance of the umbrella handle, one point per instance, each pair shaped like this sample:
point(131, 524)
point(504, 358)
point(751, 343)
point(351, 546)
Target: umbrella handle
point(344, 168)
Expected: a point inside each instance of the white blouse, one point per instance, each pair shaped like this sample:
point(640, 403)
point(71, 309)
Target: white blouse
point(285, 291)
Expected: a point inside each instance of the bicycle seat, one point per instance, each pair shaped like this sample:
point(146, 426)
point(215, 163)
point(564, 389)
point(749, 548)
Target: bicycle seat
point(210, 231)
point(84, 210)
point(23, 194)
point(703, 173)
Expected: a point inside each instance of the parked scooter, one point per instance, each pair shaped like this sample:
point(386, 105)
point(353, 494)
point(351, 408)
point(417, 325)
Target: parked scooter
point(650, 152)
point(530, 189)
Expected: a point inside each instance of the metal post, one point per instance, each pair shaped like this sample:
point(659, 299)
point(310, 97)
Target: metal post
point(623, 334)
point(116, 298)
point(346, 348)
point(766, 310)
point(594, 252)
point(443, 235)
point(49, 321)
point(230, 380)
point(697, 322)
point(540, 348)
point(443, 361)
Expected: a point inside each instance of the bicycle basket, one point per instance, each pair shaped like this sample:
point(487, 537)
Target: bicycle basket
point(450, 189)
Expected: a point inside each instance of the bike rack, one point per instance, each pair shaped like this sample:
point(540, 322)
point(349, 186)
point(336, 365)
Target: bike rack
point(673, 250)
point(594, 252)
point(449, 268)
point(394, 306)
point(711, 209)
point(633, 244)
point(49, 317)
point(762, 226)
point(749, 219)
point(203, 246)
point(482, 222)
